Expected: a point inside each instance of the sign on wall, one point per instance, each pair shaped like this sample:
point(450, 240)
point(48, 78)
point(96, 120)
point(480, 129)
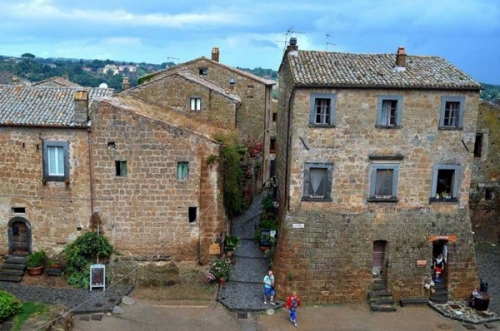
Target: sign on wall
point(98, 276)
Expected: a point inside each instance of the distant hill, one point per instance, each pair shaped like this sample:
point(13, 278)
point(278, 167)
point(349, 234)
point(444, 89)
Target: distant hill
point(491, 93)
point(87, 72)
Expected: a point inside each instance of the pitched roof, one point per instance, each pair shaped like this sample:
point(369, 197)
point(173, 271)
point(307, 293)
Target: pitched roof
point(56, 82)
point(39, 105)
point(333, 69)
point(238, 71)
point(166, 116)
point(189, 76)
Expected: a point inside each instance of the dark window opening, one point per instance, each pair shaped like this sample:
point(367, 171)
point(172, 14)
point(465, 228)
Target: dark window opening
point(121, 168)
point(232, 82)
point(192, 214)
point(445, 183)
point(19, 210)
point(111, 144)
point(272, 145)
point(488, 194)
point(478, 144)
point(275, 117)
point(203, 71)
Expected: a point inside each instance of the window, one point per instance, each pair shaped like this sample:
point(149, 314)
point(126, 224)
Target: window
point(322, 112)
point(182, 170)
point(488, 194)
point(121, 168)
point(192, 214)
point(203, 71)
point(250, 91)
point(272, 146)
point(384, 182)
point(195, 103)
point(55, 161)
point(478, 144)
point(452, 111)
point(445, 182)
point(318, 181)
point(275, 117)
point(389, 110)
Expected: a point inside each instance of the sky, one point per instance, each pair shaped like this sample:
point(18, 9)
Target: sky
point(254, 33)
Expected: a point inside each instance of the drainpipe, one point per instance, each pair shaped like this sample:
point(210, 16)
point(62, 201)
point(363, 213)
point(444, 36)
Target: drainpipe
point(91, 177)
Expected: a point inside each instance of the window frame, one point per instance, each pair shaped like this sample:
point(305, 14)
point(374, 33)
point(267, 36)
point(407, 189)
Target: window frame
point(272, 145)
point(373, 182)
point(460, 121)
point(47, 144)
point(329, 184)
point(399, 110)
point(312, 109)
point(197, 103)
point(456, 183)
point(179, 175)
point(121, 168)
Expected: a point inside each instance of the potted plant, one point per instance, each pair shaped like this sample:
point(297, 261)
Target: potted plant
point(54, 264)
point(219, 270)
point(35, 263)
point(230, 244)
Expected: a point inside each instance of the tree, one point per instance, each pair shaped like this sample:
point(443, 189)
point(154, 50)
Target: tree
point(28, 56)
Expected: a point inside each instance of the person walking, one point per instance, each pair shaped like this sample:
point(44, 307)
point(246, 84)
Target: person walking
point(439, 267)
point(269, 287)
point(291, 304)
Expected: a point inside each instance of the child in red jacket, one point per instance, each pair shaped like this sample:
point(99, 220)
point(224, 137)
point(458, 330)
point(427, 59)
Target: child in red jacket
point(292, 303)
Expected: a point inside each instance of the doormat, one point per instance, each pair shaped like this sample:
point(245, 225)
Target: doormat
point(242, 315)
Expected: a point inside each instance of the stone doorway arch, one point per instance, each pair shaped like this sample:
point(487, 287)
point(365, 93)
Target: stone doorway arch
point(19, 236)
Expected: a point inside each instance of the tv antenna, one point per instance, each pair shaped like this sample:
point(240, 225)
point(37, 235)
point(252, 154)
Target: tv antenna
point(327, 36)
point(173, 58)
point(289, 33)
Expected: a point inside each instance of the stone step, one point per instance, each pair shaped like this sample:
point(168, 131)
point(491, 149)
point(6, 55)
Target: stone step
point(379, 287)
point(382, 301)
point(376, 294)
point(10, 278)
point(16, 260)
point(13, 266)
point(413, 301)
point(54, 272)
point(382, 308)
point(439, 298)
point(5, 271)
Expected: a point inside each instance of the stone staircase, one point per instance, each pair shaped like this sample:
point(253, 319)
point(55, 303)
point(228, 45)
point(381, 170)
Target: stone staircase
point(13, 269)
point(440, 294)
point(379, 298)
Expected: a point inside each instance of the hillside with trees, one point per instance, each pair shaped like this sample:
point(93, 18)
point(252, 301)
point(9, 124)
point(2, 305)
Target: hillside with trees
point(91, 73)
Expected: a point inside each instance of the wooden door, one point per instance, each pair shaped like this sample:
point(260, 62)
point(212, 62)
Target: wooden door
point(378, 256)
point(20, 238)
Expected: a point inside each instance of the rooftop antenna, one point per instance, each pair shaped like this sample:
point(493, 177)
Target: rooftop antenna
point(173, 58)
point(327, 36)
point(289, 33)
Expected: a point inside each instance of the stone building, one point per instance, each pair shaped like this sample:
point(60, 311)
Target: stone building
point(211, 79)
point(485, 182)
point(374, 164)
point(76, 159)
point(44, 166)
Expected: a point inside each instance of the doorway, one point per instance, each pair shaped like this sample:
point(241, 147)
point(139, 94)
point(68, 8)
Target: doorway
point(19, 233)
point(379, 257)
point(440, 247)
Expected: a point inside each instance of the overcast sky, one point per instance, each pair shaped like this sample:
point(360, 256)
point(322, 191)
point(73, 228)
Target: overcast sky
point(252, 33)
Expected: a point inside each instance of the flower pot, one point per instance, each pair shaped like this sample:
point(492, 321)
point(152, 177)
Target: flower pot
point(36, 271)
point(222, 280)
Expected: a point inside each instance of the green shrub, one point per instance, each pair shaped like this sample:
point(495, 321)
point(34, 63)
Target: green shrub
point(9, 305)
point(81, 253)
point(36, 259)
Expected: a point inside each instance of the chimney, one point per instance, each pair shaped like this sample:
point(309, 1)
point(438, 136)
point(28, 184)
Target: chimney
point(401, 57)
point(292, 45)
point(232, 82)
point(125, 83)
point(81, 106)
point(215, 54)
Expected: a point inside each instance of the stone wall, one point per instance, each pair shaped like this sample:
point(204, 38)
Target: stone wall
point(146, 212)
point(56, 212)
point(329, 260)
point(485, 184)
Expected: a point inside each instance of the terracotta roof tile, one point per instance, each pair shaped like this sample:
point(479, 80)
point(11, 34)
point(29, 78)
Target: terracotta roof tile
point(333, 69)
point(38, 105)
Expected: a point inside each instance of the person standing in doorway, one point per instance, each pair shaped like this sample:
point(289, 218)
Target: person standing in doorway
point(269, 287)
point(438, 267)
